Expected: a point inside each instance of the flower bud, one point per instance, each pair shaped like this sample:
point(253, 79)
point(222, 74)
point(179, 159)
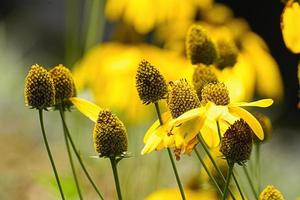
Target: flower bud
point(110, 136)
point(39, 89)
point(199, 46)
point(150, 84)
point(228, 54)
point(181, 98)
point(270, 193)
point(236, 144)
point(216, 93)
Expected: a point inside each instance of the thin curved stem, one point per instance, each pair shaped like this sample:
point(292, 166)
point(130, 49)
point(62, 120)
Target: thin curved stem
point(79, 159)
point(238, 186)
point(250, 181)
point(69, 154)
point(231, 165)
point(116, 177)
point(208, 172)
point(49, 153)
point(171, 157)
point(200, 139)
point(258, 167)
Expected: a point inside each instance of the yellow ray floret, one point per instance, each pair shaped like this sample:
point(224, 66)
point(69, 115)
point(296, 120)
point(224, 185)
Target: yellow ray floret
point(87, 108)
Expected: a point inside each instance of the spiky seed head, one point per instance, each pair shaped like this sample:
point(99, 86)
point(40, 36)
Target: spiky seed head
point(199, 46)
point(181, 98)
point(228, 54)
point(270, 193)
point(39, 89)
point(110, 136)
point(63, 83)
point(150, 84)
point(236, 144)
point(202, 76)
point(266, 124)
point(216, 93)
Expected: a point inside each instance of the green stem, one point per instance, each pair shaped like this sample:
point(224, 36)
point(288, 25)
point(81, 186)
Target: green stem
point(238, 186)
point(250, 181)
point(200, 139)
point(258, 167)
point(116, 177)
point(219, 130)
point(69, 154)
point(231, 165)
point(208, 172)
point(171, 157)
point(79, 158)
point(49, 153)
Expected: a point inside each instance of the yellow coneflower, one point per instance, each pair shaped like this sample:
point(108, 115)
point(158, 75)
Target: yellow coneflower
point(270, 193)
point(219, 108)
point(181, 98)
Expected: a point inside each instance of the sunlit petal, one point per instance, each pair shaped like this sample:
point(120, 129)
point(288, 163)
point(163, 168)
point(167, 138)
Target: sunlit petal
point(191, 114)
point(87, 108)
point(250, 119)
point(260, 103)
point(151, 144)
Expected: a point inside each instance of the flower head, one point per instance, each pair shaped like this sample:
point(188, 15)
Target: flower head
point(39, 88)
point(181, 98)
point(150, 84)
point(63, 83)
point(203, 75)
point(236, 144)
point(228, 53)
point(216, 93)
point(110, 137)
point(270, 193)
point(199, 46)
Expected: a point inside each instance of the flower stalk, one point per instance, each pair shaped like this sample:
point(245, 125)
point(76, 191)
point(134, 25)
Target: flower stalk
point(170, 155)
point(70, 155)
point(116, 177)
point(50, 154)
point(250, 181)
point(79, 157)
point(231, 165)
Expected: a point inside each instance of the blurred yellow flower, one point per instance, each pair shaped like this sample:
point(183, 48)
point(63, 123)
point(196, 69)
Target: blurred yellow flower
point(174, 194)
point(144, 15)
point(290, 25)
point(109, 71)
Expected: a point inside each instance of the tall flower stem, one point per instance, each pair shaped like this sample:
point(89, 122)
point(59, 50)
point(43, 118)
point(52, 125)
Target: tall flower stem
point(171, 157)
point(231, 165)
point(250, 181)
point(208, 172)
point(70, 155)
point(49, 153)
point(78, 157)
point(200, 139)
point(116, 177)
point(258, 167)
point(238, 186)
point(235, 180)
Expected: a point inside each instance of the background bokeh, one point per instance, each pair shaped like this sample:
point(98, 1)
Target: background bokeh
point(53, 31)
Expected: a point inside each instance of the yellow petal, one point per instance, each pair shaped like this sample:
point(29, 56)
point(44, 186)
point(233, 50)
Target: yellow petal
point(165, 117)
point(260, 103)
point(151, 144)
point(87, 108)
point(190, 129)
point(191, 114)
point(290, 26)
point(250, 119)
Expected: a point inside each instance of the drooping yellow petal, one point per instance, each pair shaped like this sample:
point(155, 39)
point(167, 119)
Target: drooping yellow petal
point(260, 103)
point(290, 26)
point(250, 119)
point(165, 117)
point(190, 129)
point(87, 108)
point(151, 144)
